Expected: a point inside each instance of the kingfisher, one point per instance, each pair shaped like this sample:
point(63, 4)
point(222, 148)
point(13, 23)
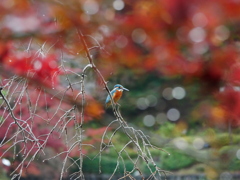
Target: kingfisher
point(116, 94)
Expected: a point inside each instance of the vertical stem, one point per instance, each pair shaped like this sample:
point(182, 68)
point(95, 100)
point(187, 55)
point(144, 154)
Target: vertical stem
point(81, 126)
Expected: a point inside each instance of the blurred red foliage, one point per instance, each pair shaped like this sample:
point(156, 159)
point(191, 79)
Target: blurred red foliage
point(195, 40)
point(230, 102)
point(35, 66)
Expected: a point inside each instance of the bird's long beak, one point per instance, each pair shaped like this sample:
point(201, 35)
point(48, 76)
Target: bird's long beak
point(125, 89)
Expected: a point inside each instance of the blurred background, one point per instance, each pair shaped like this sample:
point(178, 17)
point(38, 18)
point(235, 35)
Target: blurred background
point(179, 59)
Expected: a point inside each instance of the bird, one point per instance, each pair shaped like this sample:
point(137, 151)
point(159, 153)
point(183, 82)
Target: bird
point(116, 94)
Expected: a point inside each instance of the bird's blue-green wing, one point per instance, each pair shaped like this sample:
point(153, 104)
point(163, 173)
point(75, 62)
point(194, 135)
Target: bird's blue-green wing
point(108, 99)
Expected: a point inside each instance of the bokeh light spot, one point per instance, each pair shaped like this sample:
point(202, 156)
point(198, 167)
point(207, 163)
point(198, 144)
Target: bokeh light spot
point(37, 65)
point(121, 41)
point(178, 93)
point(118, 5)
point(105, 30)
point(149, 120)
point(173, 114)
point(199, 20)
point(139, 35)
point(52, 64)
point(142, 103)
point(91, 7)
point(21, 24)
point(167, 93)
point(197, 34)
point(222, 33)
point(198, 143)
point(98, 37)
point(238, 154)
point(225, 176)
point(152, 100)
point(200, 48)
point(180, 143)
point(6, 162)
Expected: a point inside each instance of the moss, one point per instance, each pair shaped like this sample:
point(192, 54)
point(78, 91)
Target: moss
point(108, 165)
point(176, 160)
point(234, 164)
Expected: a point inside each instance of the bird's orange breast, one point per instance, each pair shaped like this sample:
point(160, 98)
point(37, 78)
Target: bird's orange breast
point(117, 95)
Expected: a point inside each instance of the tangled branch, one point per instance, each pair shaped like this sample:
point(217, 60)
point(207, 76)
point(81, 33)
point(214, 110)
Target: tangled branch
point(31, 143)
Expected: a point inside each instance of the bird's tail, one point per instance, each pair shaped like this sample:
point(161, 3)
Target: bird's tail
point(107, 105)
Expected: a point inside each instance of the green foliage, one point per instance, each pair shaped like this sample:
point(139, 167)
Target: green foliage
point(108, 165)
point(176, 160)
point(3, 175)
point(234, 164)
point(146, 170)
point(167, 129)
